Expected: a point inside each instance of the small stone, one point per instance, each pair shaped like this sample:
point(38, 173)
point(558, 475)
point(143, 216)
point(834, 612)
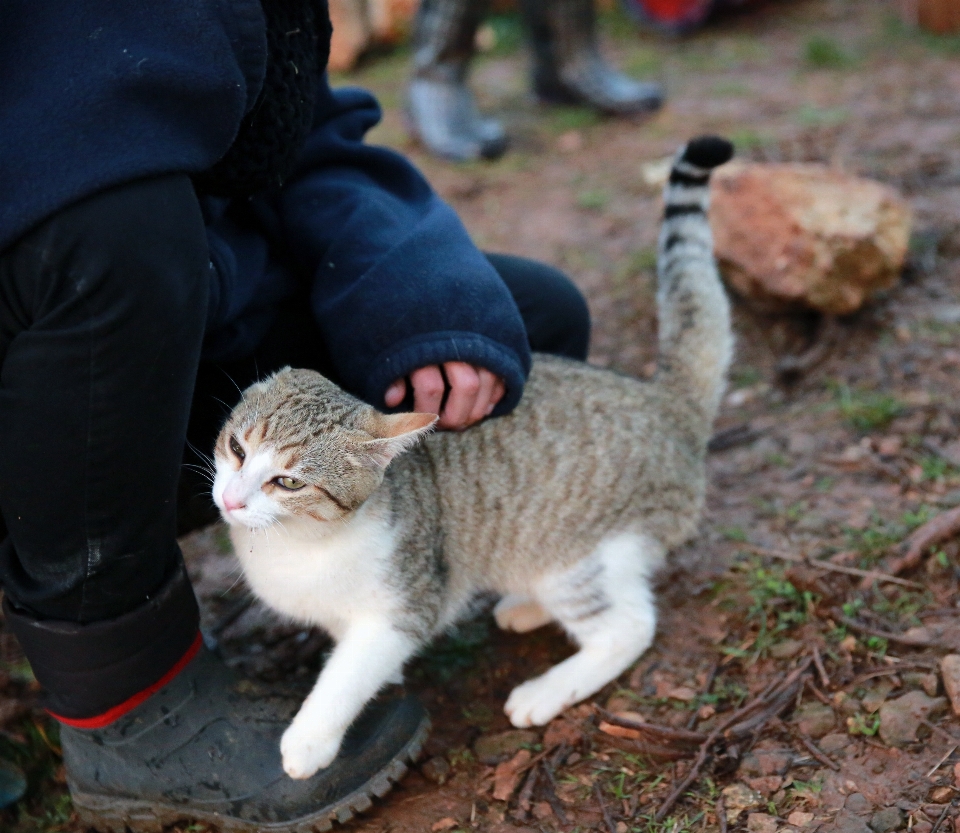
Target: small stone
point(766, 762)
point(834, 742)
point(847, 822)
point(900, 718)
point(622, 827)
point(950, 669)
point(857, 803)
point(563, 731)
point(436, 770)
point(737, 798)
point(874, 698)
point(799, 819)
point(890, 446)
point(803, 235)
point(886, 820)
point(922, 827)
point(492, 749)
point(941, 795)
point(761, 823)
point(766, 785)
point(542, 810)
point(786, 648)
point(814, 719)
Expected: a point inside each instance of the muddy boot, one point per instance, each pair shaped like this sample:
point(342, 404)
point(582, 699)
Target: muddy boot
point(568, 67)
point(441, 110)
point(206, 748)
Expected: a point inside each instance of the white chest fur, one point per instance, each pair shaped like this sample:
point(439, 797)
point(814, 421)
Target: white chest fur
point(326, 579)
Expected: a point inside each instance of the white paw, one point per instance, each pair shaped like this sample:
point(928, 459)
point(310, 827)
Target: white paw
point(537, 702)
point(303, 753)
point(519, 614)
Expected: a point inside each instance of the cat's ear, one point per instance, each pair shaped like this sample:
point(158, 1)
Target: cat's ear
point(395, 433)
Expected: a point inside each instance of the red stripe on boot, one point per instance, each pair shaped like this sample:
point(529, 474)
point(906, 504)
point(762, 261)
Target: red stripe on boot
point(109, 716)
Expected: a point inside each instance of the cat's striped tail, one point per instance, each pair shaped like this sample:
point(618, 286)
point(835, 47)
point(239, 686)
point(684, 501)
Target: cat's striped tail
point(696, 343)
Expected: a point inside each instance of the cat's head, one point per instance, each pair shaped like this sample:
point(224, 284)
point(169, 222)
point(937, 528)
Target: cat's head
point(299, 446)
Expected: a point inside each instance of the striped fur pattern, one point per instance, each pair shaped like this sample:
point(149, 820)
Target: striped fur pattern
point(383, 533)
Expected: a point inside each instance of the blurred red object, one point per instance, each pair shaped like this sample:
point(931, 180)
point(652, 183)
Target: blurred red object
point(677, 16)
point(940, 16)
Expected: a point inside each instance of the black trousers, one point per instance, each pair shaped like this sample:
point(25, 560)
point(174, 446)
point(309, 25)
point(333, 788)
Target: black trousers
point(102, 314)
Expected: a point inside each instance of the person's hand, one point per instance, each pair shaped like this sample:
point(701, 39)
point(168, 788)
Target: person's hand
point(471, 393)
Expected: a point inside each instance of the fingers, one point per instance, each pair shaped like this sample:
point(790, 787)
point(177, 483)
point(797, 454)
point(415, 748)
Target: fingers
point(471, 393)
point(428, 390)
point(489, 394)
point(395, 393)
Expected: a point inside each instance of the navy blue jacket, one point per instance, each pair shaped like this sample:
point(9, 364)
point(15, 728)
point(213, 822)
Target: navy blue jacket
point(97, 93)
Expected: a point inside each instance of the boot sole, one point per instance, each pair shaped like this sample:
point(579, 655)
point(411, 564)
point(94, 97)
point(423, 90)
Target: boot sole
point(107, 814)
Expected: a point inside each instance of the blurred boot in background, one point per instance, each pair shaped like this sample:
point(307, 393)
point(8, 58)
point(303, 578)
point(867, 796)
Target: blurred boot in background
point(441, 110)
point(567, 68)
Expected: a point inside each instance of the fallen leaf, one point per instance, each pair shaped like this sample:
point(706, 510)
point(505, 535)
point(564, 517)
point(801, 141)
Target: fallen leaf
point(507, 775)
point(444, 824)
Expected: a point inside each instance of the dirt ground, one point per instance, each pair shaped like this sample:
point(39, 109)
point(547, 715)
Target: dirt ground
point(841, 463)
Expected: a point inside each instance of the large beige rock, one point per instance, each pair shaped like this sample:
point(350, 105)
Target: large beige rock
point(360, 24)
point(807, 236)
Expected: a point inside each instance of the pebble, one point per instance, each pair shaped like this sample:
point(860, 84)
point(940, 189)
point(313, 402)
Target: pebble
point(834, 742)
point(900, 718)
point(766, 762)
point(785, 649)
point(436, 770)
point(799, 819)
point(857, 803)
point(886, 820)
point(737, 798)
point(814, 719)
point(492, 749)
point(847, 822)
point(950, 668)
point(761, 823)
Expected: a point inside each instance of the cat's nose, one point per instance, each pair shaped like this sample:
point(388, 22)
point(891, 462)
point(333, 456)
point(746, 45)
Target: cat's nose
point(231, 505)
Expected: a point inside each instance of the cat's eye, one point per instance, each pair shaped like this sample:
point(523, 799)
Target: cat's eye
point(237, 450)
point(289, 483)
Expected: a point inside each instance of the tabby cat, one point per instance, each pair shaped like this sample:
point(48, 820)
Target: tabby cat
point(382, 533)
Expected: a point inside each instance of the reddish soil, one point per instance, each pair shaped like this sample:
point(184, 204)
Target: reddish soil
point(840, 463)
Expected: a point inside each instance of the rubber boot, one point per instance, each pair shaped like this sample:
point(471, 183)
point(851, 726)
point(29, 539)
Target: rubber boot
point(441, 110)
point(568, 67)
point(206, 748)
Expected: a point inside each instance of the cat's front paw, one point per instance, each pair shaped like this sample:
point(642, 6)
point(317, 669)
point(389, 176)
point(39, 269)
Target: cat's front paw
point(304, 753)
point(537, 702)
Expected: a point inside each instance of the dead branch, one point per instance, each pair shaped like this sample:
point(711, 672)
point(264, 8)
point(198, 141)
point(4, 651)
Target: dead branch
point(683, 736)
point(551, 793)
point(526, 794)
point(890, 636)
point(821, 670)
point(720, 808)
point(940, 528)
point(603, 808)
point(867, 575)
point(741, 723)
point(817, 753)
point(733, 436)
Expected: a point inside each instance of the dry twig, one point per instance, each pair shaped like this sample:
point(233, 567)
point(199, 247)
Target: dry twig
point(867, 575)
point(744, 721)
point(818, 664)
point(817, 753)
point(603, 808)
point(890, 636)
point(939, 528)
point(551, 792)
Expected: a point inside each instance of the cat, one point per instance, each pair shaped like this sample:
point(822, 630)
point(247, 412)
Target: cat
point(382, 533)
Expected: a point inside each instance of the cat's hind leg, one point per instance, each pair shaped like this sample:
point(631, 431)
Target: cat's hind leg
point(605, 603)
point(518, 613)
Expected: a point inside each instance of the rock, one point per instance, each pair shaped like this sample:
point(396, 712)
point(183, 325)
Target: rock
point(847, 822)
point(857, 803)
point(886, 821)
point(799, 819)
point(737, 798)
point(814, 719)
point(766, 762)
point(922, 827)
point(786, 648)
point(834, 742)
point(900, 718)
point(766, 785)
point(564, 731)
point(791, 236)
point(436, 770)
point(761, 823)
point(492, 749)
point(940, 795)
point(874, 698)
point(950, 669)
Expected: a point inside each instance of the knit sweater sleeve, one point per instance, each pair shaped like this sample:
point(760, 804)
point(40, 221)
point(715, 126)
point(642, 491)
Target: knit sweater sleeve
point(397, 283)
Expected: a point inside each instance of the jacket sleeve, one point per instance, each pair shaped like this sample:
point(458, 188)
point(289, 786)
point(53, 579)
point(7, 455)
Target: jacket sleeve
point(397, 284)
